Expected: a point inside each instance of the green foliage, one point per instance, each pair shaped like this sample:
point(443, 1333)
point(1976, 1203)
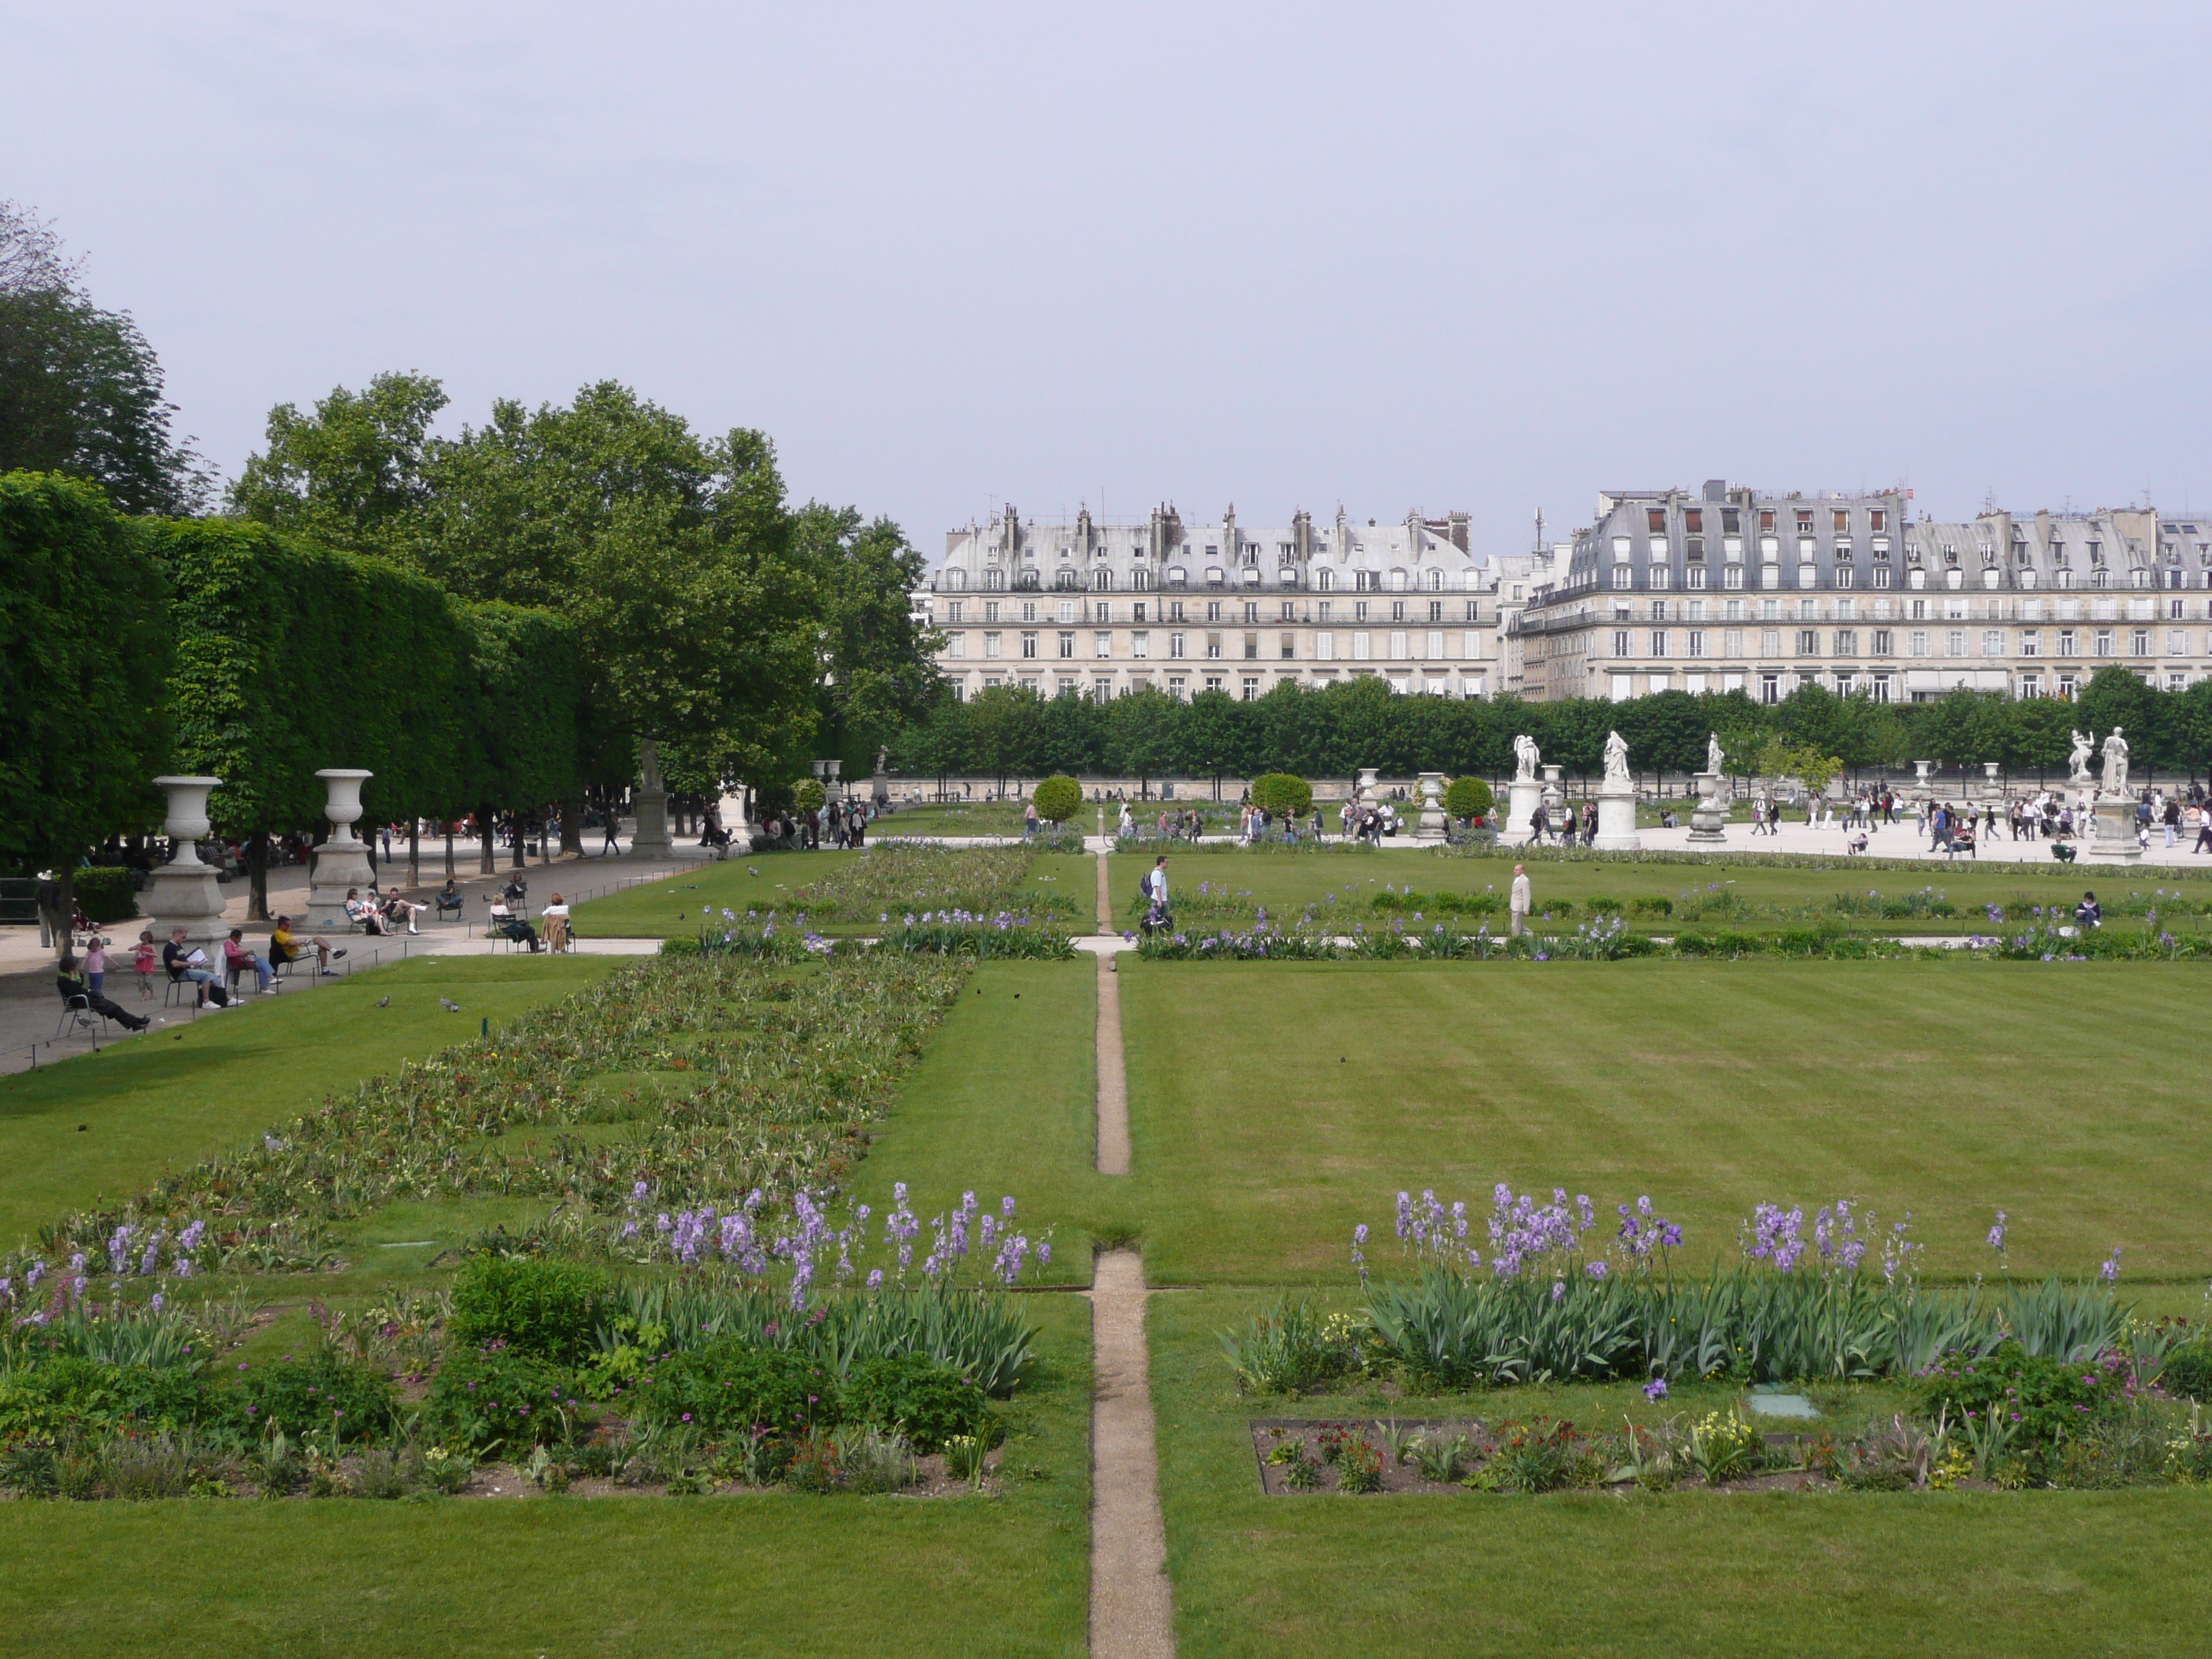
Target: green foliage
point(1283, 794)
point(79, 388)
point(1058, 798)
point(108, 893)
point(1467, 797)
point(323, 1394)
point(70, 1392)
point(550, 1309)
point(2188, 1371)
point(352, 475)
point(1289, 1348)
point(498, 1398)
point(927, 1402)
point(84, 645)
point(808, 795)
point(2049, 1399)
point(731, 1385)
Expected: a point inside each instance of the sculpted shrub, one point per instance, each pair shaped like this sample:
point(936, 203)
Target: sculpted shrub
point(1467, 798)
point(1282, 794)
point(1058, 798)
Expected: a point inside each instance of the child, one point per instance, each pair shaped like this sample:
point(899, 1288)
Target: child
point(95, 963)
point(142, 963)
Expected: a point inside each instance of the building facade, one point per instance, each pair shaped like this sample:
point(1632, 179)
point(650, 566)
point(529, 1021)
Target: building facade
point(1734, 589)
point(1098, 610)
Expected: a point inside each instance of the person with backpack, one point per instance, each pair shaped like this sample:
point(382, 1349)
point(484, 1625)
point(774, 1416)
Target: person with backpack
point(1153, 894)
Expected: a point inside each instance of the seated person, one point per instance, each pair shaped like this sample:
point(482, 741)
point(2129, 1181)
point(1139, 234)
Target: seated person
point(396, 908)
point(2088, 913)
point(505, 924)
point(236, 959)
point(283, 948)
point(555, 917)
point(71, 984)
point(449, 897)
point(185, 960)
point(515, 890)
point(365, 913)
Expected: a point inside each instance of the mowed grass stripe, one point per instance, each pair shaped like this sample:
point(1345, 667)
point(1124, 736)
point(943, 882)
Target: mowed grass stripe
point(1276, 1106)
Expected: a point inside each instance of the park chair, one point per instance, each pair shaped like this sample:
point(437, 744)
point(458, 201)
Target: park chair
point(454, 905)
point(181, 990)
point(78, 1006)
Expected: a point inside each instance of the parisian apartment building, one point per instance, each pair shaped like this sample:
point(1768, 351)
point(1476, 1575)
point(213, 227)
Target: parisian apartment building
point(1101, 609)
point(1732, 589)
point(1723, 589)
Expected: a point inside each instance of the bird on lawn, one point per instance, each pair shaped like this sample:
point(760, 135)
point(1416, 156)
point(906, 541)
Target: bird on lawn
point(384, 1002)
point(449, 1005)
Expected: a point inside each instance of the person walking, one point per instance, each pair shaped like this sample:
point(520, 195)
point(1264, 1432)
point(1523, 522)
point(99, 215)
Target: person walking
point(613, 846)
point(1517, 901)
point(2204, 831)
point(1029, 821)
point(2172, 820)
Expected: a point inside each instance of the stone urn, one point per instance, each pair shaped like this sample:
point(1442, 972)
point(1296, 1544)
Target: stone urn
point(1431, 826)
point(183, 892)
point(342, 861)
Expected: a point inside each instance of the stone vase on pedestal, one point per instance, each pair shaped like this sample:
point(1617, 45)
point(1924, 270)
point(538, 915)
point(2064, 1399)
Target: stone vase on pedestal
point(1709, 819)
point(1555, 797)
point(342, 860)
point(734, 822)
point(1365, 792)
point(2116, 841)
point(1616, 821)
point(1431, 826)
point(183, 893)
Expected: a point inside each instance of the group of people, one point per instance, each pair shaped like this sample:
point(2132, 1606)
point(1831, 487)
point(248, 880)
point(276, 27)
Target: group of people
point(1573, 821)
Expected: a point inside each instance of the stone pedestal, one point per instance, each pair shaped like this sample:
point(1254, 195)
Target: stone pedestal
point(2116, 841)
point(1709, 819)
point(1616, 821)
point(342, 860)
point(1431, 826)
point(1555, 797)
point(183, 892)
point(651, 840)
point(732, 808)
point(1520, 803)
point(1991, 787)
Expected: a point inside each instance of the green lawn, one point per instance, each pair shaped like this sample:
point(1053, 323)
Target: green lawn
point(200, 1087)
point(1274, 1106)
point(1285, 884)
point(682, 903)
point(771, 1574)
point(1687, 1573)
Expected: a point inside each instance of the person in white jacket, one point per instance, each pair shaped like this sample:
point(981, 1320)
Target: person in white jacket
point(1517, 904)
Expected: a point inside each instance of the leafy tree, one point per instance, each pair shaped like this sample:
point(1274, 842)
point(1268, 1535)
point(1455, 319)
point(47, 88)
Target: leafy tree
point(84, 645)
point(353, 475)
point(878, 670)
point(1141, 730)
point(1058, 798)
point(80, 390)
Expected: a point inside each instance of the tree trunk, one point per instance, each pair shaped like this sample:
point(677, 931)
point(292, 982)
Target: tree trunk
point(572, 824)
point(487, 854)
point(449, 849)
point(520, 860)
point(257, 875)
point(414, 851)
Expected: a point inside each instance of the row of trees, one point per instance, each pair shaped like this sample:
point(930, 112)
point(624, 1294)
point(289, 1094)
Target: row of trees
point(1332, 732)
point(134, 645)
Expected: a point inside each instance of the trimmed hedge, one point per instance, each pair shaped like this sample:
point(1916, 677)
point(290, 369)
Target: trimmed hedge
point(1058, 798)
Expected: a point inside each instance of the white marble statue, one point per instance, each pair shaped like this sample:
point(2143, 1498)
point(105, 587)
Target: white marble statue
point(2077, 763)
point(1714, 755)
point(1616, 761)
point(2116, 762)
point(1526, 758)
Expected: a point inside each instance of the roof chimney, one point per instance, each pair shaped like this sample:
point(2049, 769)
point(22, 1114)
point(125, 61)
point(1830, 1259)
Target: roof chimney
point(1716, 490)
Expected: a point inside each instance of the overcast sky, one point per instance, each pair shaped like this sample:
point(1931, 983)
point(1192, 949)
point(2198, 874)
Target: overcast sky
point(1486, 256)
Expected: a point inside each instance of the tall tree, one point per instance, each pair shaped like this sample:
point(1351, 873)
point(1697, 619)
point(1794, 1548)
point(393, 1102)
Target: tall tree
point(353, 474)
point(80, 390)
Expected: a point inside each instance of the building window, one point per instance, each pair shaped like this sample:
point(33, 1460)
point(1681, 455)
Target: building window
point(1885, 642)
point(1251, 647)
point(1029, 645)
point(2066, 644)
point(1732, 576)
point(1770, 688)
point(2031, 642)
point(1659, 576)
point(1213, 681)
point(1102, 690)
point(1770, 642)
point(1102, 645)
point(1954, 642)
point(1696, 647)
point(1251, 689)
point(1843, 679)
point(955, 645)
point(2103, 645)
point(1141, 645)
point(2177, 641)
point(1881, 692)
point(1655, 519)
point(1324, 647)
point(1808, 642)
point(1732, 641)
point(1175, 644)
point(1916, 643)
point(1620, 642)
point(1213, 610)
point(1290, 648)
point(2177, 681)
point(990, 610)
point(1251, 610)
point(1213, 646)
point(2139, 642)
point(1845, 576)
point(1658, 641)
point(2067, 685)
point(2031, 685)
point(1993, 642)
point(1435, 644)
point(1847, 642)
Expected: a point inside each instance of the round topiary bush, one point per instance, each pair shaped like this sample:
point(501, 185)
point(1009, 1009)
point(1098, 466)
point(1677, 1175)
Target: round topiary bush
point(1467, 798)
point(1058, 798)
point(808, 794)
point(1282, 794)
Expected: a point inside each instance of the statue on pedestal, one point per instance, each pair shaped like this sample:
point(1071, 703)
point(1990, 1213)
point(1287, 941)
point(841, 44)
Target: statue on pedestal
point(1526, 758)
point(1714, 754)
point(1616, 761)
point(2116, 764)
point(2077, 762)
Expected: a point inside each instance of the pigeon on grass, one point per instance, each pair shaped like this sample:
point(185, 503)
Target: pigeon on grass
point(449, 1005)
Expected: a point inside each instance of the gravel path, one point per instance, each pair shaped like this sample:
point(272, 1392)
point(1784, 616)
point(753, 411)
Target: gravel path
point(1132, 1613)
